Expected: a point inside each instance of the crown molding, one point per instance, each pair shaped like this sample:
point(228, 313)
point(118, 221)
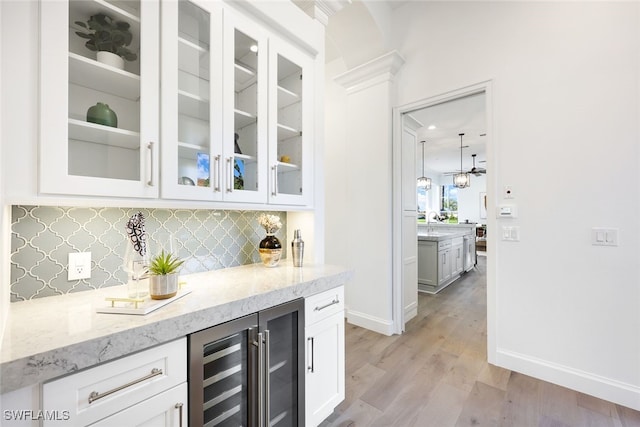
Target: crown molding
point(322, 10)
point(382, 68)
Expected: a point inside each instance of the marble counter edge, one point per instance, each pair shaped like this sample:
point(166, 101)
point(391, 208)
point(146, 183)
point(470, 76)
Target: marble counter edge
point(43, 366)
point(452, 235)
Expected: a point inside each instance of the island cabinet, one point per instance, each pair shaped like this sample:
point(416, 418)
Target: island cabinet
point(439, 263)
point(325, 354)
point(216, 106)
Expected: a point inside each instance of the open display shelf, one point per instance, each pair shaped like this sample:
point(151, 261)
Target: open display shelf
point(246, 158)
point(286, 97)
point(287, 167)
point(119, 11)
point(286, 132)
point(190, 151)
point(193, 105)
point(243, 119)
point(100, 134)
point(244, 76)
point(191, 54)
point(104, 78)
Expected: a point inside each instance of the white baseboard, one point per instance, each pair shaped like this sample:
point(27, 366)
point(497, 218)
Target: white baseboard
point(604, 388)
point(366, 321)
point(410, 311)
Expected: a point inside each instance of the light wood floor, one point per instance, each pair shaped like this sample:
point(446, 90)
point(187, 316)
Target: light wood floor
point(436, 374)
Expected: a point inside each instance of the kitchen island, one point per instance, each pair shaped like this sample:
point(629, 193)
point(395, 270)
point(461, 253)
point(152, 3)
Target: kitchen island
point(49, 337)
point(445, 251)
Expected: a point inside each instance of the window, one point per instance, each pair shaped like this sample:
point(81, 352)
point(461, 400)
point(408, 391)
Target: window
point(449, 203)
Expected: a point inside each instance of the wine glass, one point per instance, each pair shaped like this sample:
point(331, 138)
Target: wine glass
point(135, 265)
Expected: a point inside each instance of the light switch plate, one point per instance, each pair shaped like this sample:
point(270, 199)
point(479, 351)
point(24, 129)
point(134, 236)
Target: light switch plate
point(604, 236)
point(79, 266)
point(511, 233)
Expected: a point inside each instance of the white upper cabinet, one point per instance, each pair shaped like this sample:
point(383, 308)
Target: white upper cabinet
point(236, 117)
point(290, 124)
point(99, 122)
point(191, 100)
point(245, 60)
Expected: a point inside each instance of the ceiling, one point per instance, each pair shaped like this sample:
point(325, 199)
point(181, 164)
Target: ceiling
point(440, 126)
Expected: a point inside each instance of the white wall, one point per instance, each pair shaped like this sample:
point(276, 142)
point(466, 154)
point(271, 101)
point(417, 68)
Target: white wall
point(5, 278)
point(565, 134)
point(469, 200)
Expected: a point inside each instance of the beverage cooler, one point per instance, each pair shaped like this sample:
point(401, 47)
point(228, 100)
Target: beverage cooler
point(249, 371)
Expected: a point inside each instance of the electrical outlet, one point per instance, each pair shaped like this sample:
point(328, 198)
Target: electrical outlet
point(79, 266)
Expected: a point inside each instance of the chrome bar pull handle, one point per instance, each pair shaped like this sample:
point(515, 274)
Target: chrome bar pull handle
point(275, 180)
point(179, 408)
point(230, 174)
point(150, 183)
point(267, 379)
point(310, 367)
point(322, 307)
point(97, 396)
point(216, 173)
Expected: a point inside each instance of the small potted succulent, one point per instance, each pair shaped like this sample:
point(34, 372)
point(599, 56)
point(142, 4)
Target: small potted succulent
point(163, 275)
point(108, 38)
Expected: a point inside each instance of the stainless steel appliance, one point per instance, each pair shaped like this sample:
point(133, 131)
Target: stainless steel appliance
point(469, 252)
point(249, 371)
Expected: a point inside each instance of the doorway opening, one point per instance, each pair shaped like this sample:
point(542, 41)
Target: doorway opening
point(439, 121)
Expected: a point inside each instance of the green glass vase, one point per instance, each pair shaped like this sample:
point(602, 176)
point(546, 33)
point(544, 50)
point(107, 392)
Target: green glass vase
point(102, 115)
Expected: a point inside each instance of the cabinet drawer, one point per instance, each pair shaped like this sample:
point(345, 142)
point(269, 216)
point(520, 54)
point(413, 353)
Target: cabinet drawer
point(445, 244)
point(98, 392)
point(456, 241)
point(322, 305)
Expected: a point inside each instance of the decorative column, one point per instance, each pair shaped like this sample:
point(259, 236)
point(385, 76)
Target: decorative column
point(368, 180)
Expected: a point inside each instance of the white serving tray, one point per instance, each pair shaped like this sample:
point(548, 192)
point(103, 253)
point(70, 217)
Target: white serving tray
point(139, 306)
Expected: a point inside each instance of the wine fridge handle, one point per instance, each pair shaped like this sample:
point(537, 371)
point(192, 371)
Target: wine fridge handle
point(179, 408)
point(267, 379)
point(260, 380)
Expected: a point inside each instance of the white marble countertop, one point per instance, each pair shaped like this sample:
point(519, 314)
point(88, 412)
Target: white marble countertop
point(49, 337)
point(438, 236)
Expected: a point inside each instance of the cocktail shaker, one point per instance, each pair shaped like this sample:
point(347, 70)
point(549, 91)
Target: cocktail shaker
point(297, 249)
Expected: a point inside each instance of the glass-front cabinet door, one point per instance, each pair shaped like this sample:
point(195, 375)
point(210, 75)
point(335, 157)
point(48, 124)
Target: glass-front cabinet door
point(245, 111)
point(291, 124)
point(282, 327)
point(99, 98)
point(191, 100)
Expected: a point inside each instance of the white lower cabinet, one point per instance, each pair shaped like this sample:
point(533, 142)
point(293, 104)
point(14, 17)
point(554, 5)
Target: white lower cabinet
point(457, 257)
point(325, 354)
point(167, 409)
point(148, 388)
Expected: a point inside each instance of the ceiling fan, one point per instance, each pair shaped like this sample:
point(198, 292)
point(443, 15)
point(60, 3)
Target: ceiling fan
point(474, 170)
point(477, 171)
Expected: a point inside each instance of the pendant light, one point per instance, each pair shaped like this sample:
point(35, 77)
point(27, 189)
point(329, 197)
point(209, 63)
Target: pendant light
point(461, 180)
point(423, 181)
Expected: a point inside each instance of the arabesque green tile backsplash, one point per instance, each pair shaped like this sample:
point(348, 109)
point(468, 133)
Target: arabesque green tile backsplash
point(43, 236)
